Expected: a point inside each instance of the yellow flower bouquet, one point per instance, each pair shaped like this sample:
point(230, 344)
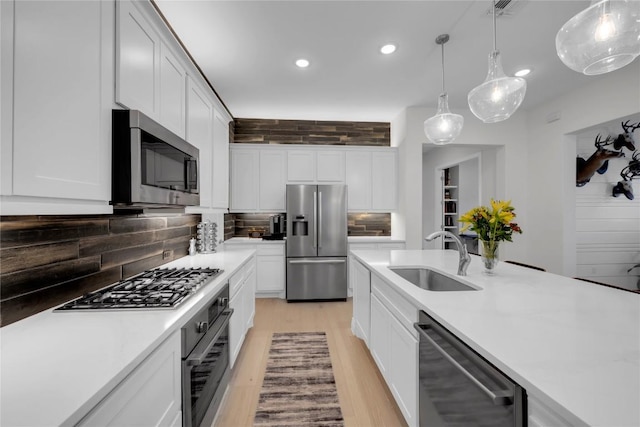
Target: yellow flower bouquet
point(492, 225)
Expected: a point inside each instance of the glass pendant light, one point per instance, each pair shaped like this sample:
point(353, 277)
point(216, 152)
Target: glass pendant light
point(499, 96)
point(444, 127)
point(601, 38)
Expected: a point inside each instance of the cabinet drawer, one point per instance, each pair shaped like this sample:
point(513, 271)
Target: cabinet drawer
point(402, 309)
point(270, 250)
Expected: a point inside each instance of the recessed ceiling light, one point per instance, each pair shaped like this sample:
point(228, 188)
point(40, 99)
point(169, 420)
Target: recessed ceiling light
point(388, 48)
point(523, 72)
point(302, 63)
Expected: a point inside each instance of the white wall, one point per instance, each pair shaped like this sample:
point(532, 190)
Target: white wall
point(535, 164)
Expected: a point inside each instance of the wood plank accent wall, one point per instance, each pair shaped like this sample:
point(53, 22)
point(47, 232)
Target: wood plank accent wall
point(47, 260)
point(607, 227)
point(359, 224)
point(270, 131)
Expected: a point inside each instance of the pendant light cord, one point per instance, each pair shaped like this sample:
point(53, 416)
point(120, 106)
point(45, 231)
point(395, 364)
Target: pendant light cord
point(494, 25)
point(442, 45)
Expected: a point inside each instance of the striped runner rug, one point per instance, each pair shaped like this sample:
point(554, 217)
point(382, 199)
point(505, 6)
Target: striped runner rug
point(299, 388)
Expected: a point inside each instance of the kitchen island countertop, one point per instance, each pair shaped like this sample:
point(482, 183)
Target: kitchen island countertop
point(56, 366)
point(573, 345)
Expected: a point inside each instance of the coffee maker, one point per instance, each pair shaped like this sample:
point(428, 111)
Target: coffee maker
point(277, 227)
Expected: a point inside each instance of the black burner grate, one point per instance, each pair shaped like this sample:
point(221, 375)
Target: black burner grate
point(161, 288)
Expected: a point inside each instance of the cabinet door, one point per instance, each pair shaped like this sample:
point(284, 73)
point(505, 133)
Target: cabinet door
point(330, 166)
point(379, 336)
point(62, 99)
point(358, 178)
point(244, 180)
point(403, 348)
point(362, 300)
point(250, 295)
point(273, 180)
point(384, 181)
point(137, 61)
point(149, 396)
point(236, 324)
point(271, 273)
point(301, 166)
point(220, 196)
point(172, 92)
point(200, 134)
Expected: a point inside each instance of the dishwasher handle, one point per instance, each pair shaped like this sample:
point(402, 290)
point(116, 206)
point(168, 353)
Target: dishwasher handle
point(500, 397)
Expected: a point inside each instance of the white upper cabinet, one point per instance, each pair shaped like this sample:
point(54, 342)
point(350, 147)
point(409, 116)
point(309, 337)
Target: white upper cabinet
point(56, 106)
point(301, 166)
point(200, 134)
point(384, 177)
point(273, 180)
point(244, 180)
point(137, 61)
point(358, 179)
point(330, 167)
point(220, 196)
point(172, 92)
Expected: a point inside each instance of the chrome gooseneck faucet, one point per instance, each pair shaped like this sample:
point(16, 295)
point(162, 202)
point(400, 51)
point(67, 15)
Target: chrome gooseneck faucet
point(464, 260)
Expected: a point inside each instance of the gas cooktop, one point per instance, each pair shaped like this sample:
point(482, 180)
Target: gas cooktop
point(153, 289)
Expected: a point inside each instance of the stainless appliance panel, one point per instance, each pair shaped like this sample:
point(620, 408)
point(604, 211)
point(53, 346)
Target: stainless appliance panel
point(317, 278)
point(302, 201)
point(457, 387)
point(332, 220)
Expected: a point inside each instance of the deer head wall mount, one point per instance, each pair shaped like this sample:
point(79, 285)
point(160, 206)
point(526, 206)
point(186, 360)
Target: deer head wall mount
point(598, 162)
point(626, 139)
point(628, 173)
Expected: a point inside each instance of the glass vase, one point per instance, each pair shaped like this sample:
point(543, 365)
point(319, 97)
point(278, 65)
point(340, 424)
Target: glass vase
point(490, 255)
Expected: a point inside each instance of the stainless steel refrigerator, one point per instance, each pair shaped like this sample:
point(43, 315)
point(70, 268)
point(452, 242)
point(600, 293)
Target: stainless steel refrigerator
point(316, 242)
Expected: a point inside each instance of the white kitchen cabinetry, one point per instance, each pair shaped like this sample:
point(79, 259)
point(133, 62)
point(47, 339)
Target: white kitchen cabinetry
point(149, 396)
point(273, 180)
point(57, 62)
point(245, 185)
point(394, 346)
point(200, 134)
point(330, 167)
point(368, 246)
point(220, 195)
point(271, 270)
point(541, 415)
point(358, 179)
point(361, 301)
point(301, 166)
point(242, 301)
point(137, 61)
point(172, 92)
point(372, 179)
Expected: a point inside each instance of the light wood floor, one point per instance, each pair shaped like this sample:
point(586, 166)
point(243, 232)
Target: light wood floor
point(365, 399)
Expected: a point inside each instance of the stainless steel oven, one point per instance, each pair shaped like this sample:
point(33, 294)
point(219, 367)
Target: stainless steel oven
point(205, 361)
point(458, 387)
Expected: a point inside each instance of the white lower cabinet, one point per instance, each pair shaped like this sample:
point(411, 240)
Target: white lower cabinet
point(271, 270)
point(242, 301)
point(361, 301)
point(394, 346)
point(149, 396)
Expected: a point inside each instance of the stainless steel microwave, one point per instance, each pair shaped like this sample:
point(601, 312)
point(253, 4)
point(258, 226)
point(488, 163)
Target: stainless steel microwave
point(151, 166)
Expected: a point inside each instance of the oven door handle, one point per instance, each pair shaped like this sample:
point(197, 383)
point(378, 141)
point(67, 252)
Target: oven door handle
point(203, 348)
point(500, 397)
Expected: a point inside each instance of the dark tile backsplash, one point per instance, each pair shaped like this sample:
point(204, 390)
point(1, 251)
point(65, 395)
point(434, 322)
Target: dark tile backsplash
point(47, 260)
point(270, 131)
point(359, 224)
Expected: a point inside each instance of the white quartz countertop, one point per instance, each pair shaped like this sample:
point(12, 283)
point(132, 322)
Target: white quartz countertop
point(251, 241)
point(350, 239)
point(573, 345)
point(56, 366)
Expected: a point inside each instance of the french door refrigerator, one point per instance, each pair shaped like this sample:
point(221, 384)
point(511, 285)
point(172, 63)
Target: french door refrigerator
point(316, 242)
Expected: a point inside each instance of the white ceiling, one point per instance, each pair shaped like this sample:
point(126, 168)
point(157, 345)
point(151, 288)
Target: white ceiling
point(247, 51)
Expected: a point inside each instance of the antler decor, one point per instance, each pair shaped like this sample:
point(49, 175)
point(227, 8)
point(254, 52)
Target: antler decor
point(628, 173)
point(626, 139)
point(598, 162)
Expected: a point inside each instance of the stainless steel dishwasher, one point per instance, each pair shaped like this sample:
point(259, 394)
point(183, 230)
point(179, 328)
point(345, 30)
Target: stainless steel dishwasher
point(460, 388)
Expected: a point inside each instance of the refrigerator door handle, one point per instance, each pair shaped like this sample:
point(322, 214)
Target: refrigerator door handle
point(319, 219)
point(317, 261)
point(315, 220)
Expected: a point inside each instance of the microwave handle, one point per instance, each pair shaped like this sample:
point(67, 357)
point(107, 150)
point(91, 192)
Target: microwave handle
point(191, 171)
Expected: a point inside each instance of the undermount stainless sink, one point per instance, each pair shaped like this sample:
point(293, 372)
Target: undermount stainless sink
point(430, 280)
